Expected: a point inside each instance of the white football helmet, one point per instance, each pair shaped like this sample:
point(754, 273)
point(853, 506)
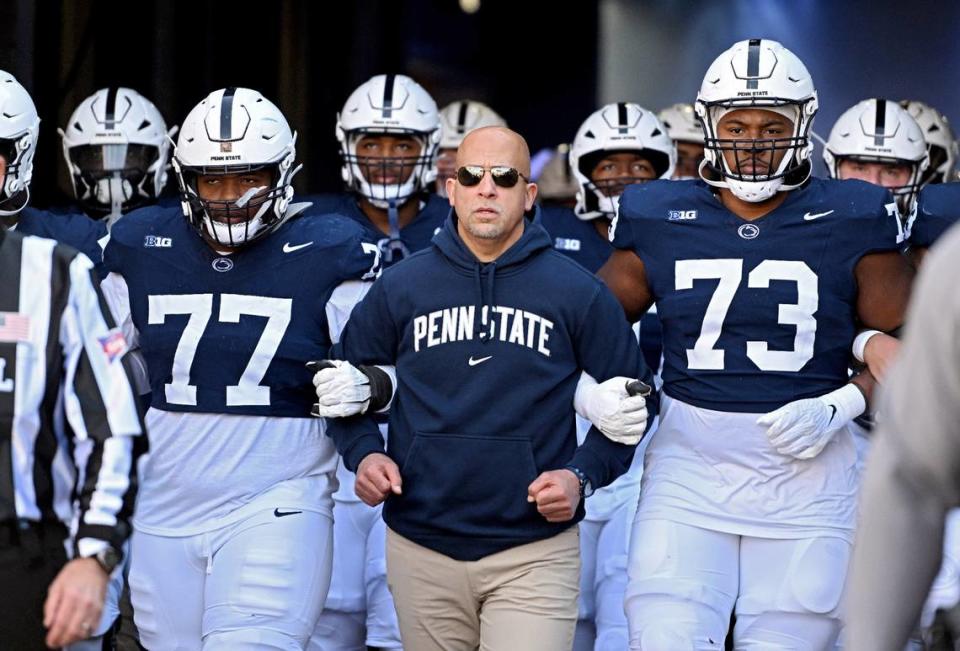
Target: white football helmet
point(879, 131)
point(19, 130)
point(461, 117)
point(389, 104)
point(556, 181)
point(117, 150)
point(618, 127)
point(235, 130)
point(682, 123)
point(940, 137)
point(762, 74)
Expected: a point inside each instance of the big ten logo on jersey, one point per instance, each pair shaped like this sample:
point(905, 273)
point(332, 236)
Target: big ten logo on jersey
point(157, 242)
point(729, 273)
point(567, 244)
point(199, 307)
point(499, 322)
point(681, 215)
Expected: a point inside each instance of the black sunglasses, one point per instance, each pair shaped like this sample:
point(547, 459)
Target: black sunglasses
point(503, 176)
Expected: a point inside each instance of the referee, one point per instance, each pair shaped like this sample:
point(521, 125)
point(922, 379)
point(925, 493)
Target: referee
point(69, 439)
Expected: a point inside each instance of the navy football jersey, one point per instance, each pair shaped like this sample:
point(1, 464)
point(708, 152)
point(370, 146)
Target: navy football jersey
point(230, 334)
point(73, 229)
point(755, 314)
point(576, 238)
point(938, 208)
point(579, 240)
point(415, 236)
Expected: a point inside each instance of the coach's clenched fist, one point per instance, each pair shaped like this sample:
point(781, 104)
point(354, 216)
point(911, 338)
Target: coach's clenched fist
point(557, 494)
point(377, 477)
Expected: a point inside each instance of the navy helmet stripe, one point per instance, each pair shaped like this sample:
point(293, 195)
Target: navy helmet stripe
point(111, 109)
point(388, 96)
point(881, 124)
point(622, 117)
point(753, 63)
point(462, 118)
point(226, 114)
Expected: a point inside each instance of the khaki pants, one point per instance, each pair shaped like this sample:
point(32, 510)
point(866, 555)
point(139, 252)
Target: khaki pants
point(520, 599)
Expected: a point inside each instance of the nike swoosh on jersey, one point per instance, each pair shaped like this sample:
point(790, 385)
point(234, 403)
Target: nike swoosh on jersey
point(481, 360)
point(810, 216)
point(278, 513)
point(832, 414)
point(290, 249)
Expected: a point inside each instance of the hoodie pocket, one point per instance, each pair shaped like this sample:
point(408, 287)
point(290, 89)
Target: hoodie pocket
point(468, 483)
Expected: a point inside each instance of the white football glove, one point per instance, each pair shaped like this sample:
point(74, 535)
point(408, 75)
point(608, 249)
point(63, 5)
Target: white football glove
point(803, 428)
point(342, 390)
point(621, 417)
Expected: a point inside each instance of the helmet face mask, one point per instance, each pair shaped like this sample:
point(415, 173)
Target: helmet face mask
point(389, 105)
point(619, 128)
point(757, 74)
point(879, 132)
point(233, 221)
point(117, 149)
point(387, 178)
point(237, 134)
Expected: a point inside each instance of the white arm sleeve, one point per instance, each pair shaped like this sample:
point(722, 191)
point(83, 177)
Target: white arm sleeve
point(341, 304)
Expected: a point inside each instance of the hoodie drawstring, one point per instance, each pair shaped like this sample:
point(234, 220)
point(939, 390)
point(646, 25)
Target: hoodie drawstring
point(481, 330)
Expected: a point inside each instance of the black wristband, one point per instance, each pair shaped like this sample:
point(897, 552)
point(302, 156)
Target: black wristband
point(381, 387)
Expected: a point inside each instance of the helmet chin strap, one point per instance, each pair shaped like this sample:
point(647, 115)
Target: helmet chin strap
point(394, 243)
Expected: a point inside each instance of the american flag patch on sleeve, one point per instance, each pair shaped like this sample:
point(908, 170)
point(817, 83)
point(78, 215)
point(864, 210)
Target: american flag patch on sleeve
point(113, 344)
point(14, 327)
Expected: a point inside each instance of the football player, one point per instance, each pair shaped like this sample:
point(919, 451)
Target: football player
point(389, 133)
point(618, 145)
point(878, 142)
point(457, 119)
point(224, 297)
point(117, 149)
point(683, 127)
point(760, 275)
point(19, 130)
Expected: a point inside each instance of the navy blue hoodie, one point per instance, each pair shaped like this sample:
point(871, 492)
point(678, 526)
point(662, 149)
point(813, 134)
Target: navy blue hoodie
point(485, 404)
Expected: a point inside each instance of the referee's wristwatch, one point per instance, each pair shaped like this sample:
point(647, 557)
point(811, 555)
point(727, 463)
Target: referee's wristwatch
point(108, 559)
point(586, 488)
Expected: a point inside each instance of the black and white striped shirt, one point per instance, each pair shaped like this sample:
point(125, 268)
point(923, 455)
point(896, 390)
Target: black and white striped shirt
point(70, 429)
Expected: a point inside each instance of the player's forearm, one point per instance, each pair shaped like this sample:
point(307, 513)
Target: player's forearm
point(887, 586)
